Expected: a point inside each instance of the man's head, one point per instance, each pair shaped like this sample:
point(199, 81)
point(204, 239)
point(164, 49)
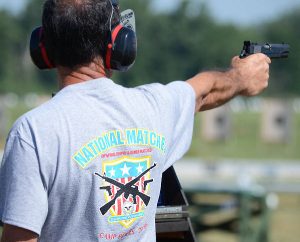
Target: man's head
point(77, 31)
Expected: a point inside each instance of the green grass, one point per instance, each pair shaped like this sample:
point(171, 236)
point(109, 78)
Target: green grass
point(245, 141)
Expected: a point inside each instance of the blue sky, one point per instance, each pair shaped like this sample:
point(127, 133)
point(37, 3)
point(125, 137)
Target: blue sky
point(14, 5)
point(241, 12)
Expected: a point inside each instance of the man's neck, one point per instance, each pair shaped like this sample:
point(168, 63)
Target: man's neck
point(79, 74)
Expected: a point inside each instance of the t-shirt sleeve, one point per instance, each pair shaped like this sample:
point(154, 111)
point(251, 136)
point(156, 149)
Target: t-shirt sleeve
point(175, 104)
point(181, 122)
point(23, 197)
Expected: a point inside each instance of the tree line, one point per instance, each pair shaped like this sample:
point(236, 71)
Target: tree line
point(171, 46)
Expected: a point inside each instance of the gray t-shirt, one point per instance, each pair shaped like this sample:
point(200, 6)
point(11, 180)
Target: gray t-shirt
point(87, 165)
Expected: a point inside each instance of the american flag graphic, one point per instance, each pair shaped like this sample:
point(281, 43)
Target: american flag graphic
point(123, 171)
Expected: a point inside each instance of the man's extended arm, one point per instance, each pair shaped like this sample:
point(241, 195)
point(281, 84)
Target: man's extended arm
point(248, 77)
point(15, 234)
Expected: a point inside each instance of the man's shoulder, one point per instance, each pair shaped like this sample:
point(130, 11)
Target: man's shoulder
point(180, 85)
point(167, 92)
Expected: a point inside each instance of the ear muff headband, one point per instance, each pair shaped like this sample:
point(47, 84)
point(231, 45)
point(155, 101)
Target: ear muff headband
point(110, 46)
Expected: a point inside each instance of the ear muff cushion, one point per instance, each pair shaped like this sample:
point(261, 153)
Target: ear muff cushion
point(38, 51)
point(124, 50)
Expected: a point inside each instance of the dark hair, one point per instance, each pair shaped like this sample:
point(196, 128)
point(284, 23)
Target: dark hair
point(77, 31)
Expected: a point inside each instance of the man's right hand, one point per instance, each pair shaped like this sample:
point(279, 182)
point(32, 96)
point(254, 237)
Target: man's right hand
point(252, 73)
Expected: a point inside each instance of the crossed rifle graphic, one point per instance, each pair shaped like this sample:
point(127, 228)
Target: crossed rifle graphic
point(126, 189)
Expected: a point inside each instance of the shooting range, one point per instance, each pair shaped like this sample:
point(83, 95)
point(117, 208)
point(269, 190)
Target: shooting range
point(277, 121)
point(216, 124)
point(240, 179)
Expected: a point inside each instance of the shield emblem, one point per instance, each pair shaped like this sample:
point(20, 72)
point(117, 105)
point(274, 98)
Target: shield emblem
point(127, 185)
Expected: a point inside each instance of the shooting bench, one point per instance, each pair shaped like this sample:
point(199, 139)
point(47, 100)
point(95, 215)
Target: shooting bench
point(242, 212)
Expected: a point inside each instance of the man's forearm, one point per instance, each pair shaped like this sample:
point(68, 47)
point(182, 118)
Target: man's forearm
point(246, 77)
point(213, 89)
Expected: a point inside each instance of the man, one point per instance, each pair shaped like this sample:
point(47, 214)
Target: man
point(96, 134)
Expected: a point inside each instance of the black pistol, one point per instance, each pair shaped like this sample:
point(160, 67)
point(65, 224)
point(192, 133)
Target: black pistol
point(273, 51)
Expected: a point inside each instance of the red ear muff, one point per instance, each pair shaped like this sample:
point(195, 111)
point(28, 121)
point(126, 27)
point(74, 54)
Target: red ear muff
point(38, 50)
point(121, 51)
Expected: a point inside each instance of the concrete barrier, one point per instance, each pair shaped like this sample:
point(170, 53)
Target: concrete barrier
point(273, 175)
